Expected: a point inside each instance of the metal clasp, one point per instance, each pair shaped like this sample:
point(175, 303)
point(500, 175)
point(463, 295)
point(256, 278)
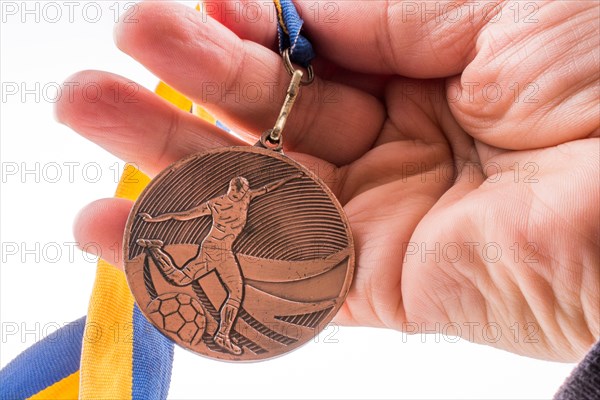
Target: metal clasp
point(288, 103)
point(272, 139)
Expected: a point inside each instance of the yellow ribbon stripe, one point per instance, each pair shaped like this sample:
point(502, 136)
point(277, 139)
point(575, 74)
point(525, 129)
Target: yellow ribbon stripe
point(65, 389)
point(280, 16)
point(106, 360)
point(174, 97)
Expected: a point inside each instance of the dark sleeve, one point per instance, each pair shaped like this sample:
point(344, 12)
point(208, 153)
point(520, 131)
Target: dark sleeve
point(584, 382)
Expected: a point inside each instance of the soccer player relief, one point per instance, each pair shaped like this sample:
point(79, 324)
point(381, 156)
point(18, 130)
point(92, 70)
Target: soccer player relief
point(240, 253)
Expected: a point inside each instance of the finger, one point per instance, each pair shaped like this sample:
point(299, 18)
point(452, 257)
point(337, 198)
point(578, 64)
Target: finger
point(415, 39)
point(146, 130)
point(527, 65)
point(257, 22)
point(244, 83)
point(251, 20)
point(133, 123)
point(102, 224)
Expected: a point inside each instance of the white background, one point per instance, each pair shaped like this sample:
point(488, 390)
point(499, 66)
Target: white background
point(50, 286)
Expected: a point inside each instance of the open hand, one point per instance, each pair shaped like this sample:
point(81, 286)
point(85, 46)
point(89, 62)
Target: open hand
point(465, 151)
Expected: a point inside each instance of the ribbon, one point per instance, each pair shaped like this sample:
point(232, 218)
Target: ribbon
point(289, 33)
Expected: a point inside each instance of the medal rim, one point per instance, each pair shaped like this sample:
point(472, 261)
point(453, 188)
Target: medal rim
point(348, 279)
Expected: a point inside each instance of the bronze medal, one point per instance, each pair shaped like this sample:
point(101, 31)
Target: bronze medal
point(239, 253)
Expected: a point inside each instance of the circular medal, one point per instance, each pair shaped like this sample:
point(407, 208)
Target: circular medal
point(238, 253)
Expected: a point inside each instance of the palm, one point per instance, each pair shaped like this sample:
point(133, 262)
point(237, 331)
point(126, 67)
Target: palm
point(452, 233)
point(448, 248)
point(527, 268)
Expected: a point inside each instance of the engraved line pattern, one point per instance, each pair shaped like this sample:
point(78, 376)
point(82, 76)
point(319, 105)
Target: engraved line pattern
point(308, 225)
point(249, 319)
point(310, 320)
